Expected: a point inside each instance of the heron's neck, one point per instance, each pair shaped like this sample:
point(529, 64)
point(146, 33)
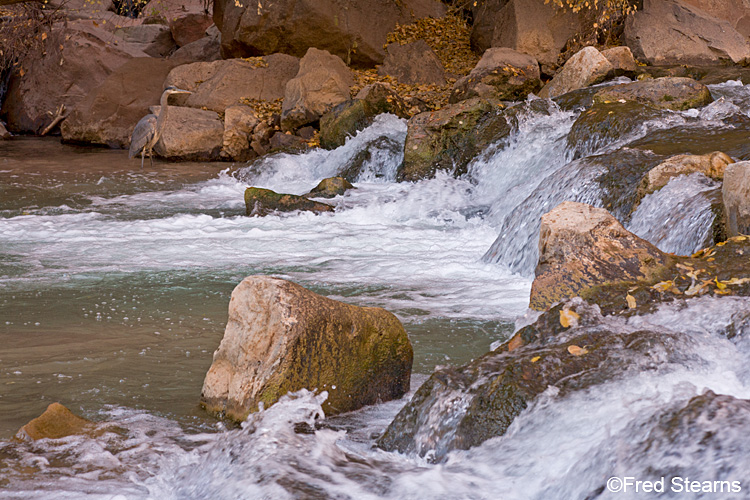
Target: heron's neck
point(164, 108)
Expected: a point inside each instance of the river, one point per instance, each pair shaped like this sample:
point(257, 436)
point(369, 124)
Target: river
point(115, 281)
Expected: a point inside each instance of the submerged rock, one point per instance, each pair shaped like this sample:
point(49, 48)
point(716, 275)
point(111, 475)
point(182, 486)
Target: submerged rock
point(581, 246)
point(259, 201)
point(281, 338)
point(711, 165)
point(587, 67)
point(736, 195)
point(56, 422)
point(501, 73)
point(569, 348)
point(330, 188)
point(675, 93)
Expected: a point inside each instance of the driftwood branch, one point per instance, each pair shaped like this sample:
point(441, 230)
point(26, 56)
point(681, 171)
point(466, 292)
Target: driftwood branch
point(59, 116)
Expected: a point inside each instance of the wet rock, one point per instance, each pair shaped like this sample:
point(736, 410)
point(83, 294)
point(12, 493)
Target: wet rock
point(622, 61)
point(675, 93)
point(261, 202)
point(77, 60)
point(501, 73)
point(458, 408)
point(56, 422)
point(108, 114)
point(189, 27)
point(330, 188)
point(281, 337)
point(581, 246)
point(673, 32)
point(322, 83)
point(353, 30)
point(587, 67)
point(447, 139)
point(528, 26)
point(220, 84)
point(287, 142)
point(736, 194)
point(4, 134)
point(711, 165)
point(413, 63)
point(239, 123)
point(348, 118)
point(190, 134)
point(603, 124)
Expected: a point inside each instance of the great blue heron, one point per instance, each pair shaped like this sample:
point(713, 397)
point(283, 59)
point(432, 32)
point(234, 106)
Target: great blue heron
point(148, 130)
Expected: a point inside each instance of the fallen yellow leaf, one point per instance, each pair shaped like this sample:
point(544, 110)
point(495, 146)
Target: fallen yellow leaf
point(577, 351)
point(719, 284)
point(569, 318)
point(631, 301)
point(663, 286)
point(535, 359)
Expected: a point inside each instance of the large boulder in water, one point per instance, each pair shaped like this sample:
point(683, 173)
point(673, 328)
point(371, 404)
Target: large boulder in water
point(736, 195)
point(581, 247)
point(322, 83)
point(667, 32)
point(587, 67)
point(190, 134)
point(711, 165)
point(260, 202)
point(330, 188)
point(447, 139)
point(501, 73)
point(676, 93)
point(354, 30)
point(348, 118)
point(108, 114)
point(218, 85)
point(281, 338)
point(56, 422)
point(76, 60)
point(532, 27)
point(570, 348)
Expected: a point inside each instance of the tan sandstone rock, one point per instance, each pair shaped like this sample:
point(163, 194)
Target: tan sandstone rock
point(581, 247)
point(587, 67)
point(711, 165)
point(323, 82)
point(413, 63)
point(501, 73)
point(190, 134)
point(281, 337)
point(736, 195)
point(56, 422)
point(239, 123)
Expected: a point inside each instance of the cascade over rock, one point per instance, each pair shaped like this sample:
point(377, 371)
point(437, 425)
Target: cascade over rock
point(281, 338)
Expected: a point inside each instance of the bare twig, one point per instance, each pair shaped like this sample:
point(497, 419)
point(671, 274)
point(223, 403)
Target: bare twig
point(59, 116)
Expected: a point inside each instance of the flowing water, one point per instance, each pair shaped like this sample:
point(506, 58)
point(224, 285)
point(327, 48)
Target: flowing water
point(114, 285)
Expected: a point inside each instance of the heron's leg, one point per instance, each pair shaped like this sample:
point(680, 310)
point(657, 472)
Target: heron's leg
point(151, 156)
point(143, 156)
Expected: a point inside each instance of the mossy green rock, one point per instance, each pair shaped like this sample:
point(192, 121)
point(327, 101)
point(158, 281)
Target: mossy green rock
point(661, 93)
point(330, 188)
point(448, 139)
point(458, 408)
point(281, 338)
point(348, 118)
point(259, 201)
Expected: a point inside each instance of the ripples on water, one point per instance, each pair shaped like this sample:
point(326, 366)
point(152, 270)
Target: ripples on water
point(114, 284)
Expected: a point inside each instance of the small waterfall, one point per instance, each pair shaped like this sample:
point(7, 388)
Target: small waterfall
point(678, 217)
point(374, 154)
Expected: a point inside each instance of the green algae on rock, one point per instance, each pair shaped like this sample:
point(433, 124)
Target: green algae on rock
point(259, 201)
point(281, 337)
point(662, 93)
point(330, 188)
